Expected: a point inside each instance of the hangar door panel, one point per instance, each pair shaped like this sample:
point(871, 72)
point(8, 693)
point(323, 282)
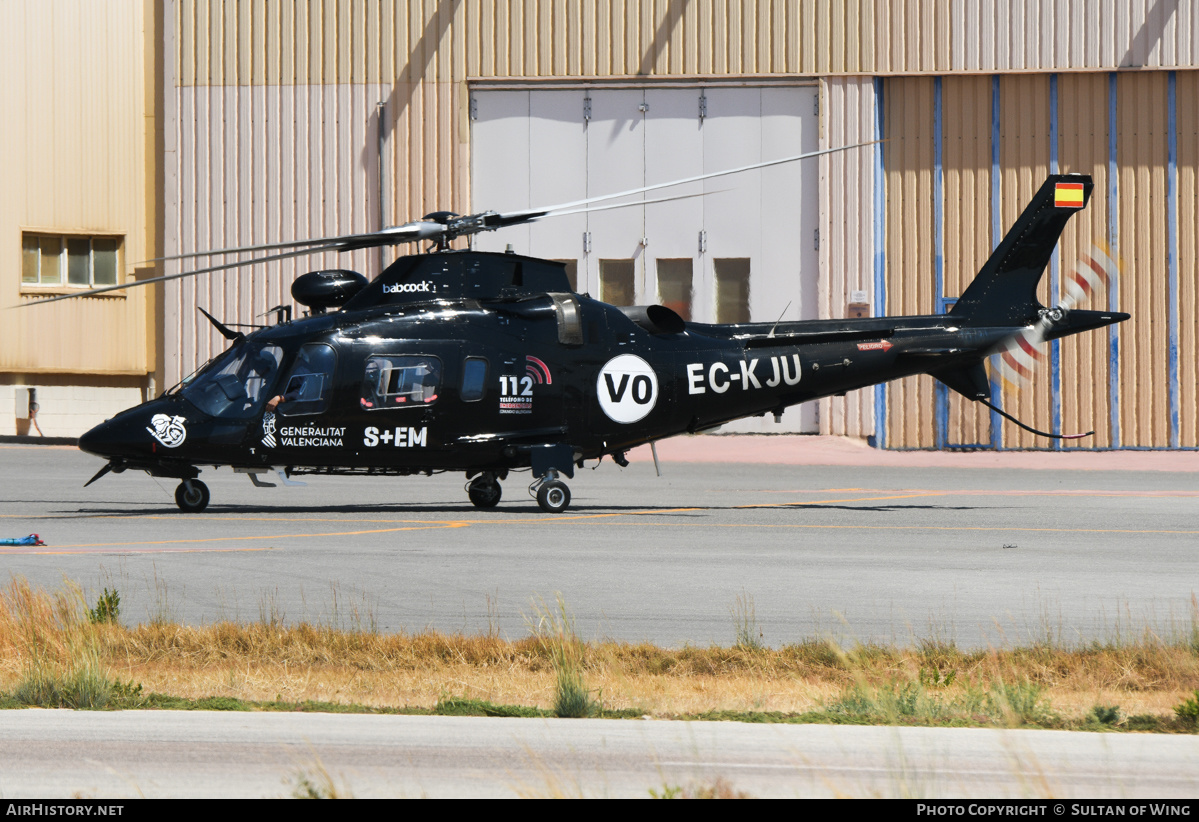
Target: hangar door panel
point(529, 148)
point(616, 162)
point(748, 247)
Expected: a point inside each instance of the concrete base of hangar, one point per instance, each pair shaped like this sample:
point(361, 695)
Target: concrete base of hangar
point(68, 404)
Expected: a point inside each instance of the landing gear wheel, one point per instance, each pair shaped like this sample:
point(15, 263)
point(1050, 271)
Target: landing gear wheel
point(484, 491)
point(192, 496)
point(553, 496)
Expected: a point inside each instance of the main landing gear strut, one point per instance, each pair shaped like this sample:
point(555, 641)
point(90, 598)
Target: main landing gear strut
point(551, 493)
point(484, 490)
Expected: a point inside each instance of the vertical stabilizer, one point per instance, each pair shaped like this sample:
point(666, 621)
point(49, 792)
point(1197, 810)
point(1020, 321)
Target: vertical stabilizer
point(1005, 290)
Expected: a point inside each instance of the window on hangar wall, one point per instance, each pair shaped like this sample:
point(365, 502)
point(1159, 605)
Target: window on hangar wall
point(80, 260)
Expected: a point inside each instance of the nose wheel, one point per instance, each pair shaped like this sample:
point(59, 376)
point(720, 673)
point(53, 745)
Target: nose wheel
point(192, 496)
point(484, 490)
point(552, 494)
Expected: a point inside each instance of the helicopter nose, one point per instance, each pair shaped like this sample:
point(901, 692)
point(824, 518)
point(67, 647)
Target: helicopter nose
point(99, 440)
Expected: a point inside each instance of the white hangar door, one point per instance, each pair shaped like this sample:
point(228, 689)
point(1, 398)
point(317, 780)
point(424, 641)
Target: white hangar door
point(745, 251)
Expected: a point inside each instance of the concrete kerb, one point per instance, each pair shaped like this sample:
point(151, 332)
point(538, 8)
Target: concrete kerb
point(790, 449)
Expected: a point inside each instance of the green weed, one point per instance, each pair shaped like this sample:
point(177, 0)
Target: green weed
point(719, 788)
point(893, 703)
point(555, 630)
point(107, 610)
point(745, 624)
point(1187, 711)
point(1107, 715)
point(1016, 704)
point(316, 783)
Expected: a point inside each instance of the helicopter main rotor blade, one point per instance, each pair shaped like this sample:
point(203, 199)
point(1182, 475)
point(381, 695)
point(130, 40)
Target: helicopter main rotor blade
point(393, 235)
point(166, 277)
point(637, 203)
point(534, 213)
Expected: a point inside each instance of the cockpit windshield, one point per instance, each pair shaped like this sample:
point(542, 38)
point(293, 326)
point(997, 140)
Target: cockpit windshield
point(238, 383)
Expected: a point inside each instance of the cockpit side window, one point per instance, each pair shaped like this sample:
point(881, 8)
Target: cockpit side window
point(399, 382)
point(309, 387)
point(474, 379)
point(236, 385)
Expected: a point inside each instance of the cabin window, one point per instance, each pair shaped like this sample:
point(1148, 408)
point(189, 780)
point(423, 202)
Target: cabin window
point(732, 290)
point(309, 387)
point(474, 378)
point(399, 382)
point(236, 384)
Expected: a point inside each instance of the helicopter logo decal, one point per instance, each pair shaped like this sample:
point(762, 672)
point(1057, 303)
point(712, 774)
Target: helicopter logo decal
point(539, 371)
point(423, 286)
point(627, 388)
point(516, 393)
point(168, 430)
point(268, 430)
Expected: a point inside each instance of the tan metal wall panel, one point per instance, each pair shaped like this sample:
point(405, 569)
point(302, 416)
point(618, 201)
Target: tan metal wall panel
point(847, 247)
point(908, 163)
point(966, 167)
point(273, 173)
point(1048, 35)
point(1187, 92)
point(73, 148)
point(243, 42)
point(1142, 144)
point(273, 163)
point(346, 41)
point(1024, 163)
point(1083, 149)
point(911, 36)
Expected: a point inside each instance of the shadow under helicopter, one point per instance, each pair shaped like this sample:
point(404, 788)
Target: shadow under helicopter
point(520, 508)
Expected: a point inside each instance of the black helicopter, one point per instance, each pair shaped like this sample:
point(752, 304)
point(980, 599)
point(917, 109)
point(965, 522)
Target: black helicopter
point(485, 363)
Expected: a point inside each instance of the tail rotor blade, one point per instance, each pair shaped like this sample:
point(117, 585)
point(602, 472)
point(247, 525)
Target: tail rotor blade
point(1019, 357)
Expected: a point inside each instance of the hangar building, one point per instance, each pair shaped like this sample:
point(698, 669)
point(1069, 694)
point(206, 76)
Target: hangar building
point(149, 129)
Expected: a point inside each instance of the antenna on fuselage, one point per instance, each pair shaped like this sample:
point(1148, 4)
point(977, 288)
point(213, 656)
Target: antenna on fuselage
point(779, 320)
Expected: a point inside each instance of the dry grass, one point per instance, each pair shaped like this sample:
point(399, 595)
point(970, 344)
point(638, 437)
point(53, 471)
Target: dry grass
point(266, 662)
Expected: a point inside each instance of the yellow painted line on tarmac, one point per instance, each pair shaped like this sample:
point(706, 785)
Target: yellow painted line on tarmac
point(918, 528)
point(55, 550)
point(842, 501)
point(982, 492)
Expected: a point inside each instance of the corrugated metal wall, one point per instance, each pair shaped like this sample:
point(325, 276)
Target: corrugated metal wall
point(1084, 362)
point(966, 163)
point(286, 162)
point(847, 252)
point(73, 157)
point(332, 41)
point(1135, 385)
point(345, 41)
point(265, 93)
point(1024, 153)
point(1187, 255)
point(908, 128)
point(1141, 142)
point(1050, 35)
